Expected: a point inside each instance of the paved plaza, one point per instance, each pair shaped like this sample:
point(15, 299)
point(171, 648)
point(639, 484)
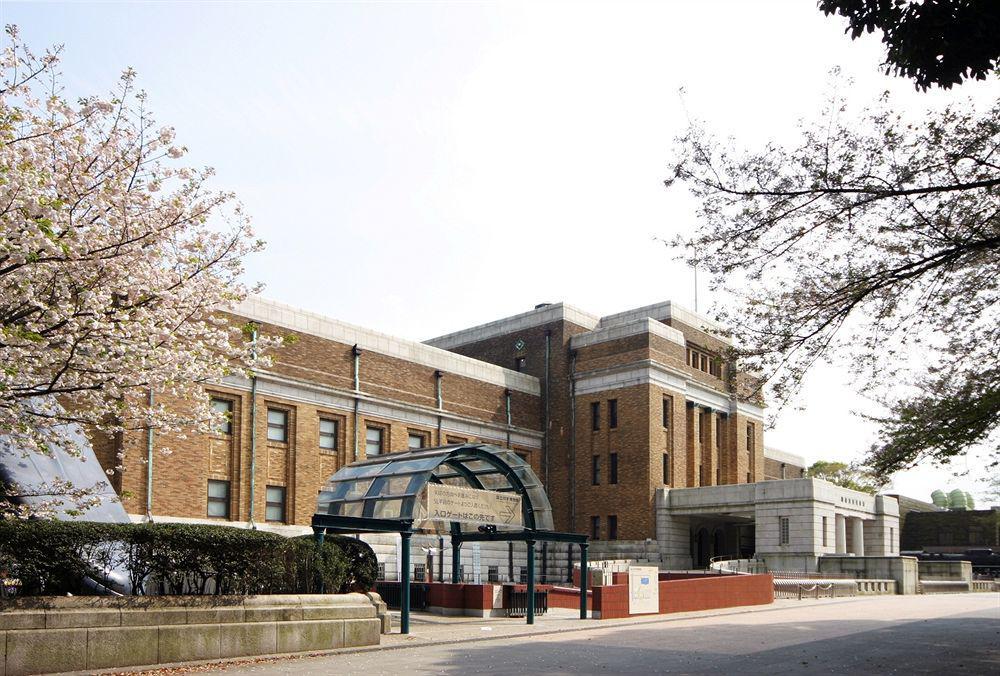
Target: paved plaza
point(957, 633)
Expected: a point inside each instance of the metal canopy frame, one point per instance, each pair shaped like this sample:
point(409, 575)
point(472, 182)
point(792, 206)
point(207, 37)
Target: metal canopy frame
point(342, 499)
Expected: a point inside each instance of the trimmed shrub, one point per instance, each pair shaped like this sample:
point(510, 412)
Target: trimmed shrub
point(56, 557)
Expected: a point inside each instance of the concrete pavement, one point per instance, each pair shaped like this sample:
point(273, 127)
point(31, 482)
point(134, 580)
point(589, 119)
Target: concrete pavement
point(957, 633)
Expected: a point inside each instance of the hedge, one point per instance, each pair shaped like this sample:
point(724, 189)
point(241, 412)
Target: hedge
point(57, 557)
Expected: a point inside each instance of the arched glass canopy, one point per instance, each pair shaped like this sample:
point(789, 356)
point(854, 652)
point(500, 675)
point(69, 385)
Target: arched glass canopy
point(391, 486)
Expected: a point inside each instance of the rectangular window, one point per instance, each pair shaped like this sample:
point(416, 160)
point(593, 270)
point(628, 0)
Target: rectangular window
point(595, 416)
point(783, 530)
point(824, 531)
point(277, 425)
point(750, 439)
point(612, 413)
point(419, 572)
point(416, 440)
point(612, 527)
point(225, 408)
point(218, 499)
point(666, 469)
point(613, 469)
point(381, 571)
point(274, 510)
point(668, 407)
point(518, 363)
point(595, 470)
point(328, 435)
point(455, 440)
point(748, 478)
point(493, 574)
point(595, 528)
point(374, 442)
point(523, 572)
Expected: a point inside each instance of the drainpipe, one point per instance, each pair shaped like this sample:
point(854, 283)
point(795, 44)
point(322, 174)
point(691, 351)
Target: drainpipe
point(506, 394)
point(253, 427)
point(572, 440)
point(438, 375)
point(149, 464)
point(356, 352)
point(545, 427)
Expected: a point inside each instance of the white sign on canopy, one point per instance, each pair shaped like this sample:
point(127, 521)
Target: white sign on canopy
point(473, 505)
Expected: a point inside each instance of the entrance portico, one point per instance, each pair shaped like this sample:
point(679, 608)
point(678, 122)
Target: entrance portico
point(788, 523)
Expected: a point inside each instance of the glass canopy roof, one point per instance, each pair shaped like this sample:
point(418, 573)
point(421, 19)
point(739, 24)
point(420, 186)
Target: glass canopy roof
point(391, 486)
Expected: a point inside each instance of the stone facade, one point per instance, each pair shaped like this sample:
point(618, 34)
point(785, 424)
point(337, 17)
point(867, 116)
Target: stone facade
point(793, 523)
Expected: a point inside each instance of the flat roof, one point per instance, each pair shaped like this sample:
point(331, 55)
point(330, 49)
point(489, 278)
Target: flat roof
point(553, 312)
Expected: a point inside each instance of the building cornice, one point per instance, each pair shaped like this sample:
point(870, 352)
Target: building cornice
point(547, 314)
point(626, 330)
point(286, 316)
point(651, 372)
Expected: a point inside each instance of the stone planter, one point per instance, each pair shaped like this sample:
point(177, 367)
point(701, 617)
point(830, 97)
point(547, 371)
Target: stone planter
point(76, 633)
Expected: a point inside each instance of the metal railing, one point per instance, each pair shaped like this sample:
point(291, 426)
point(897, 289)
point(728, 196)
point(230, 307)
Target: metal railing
point(517, 602)
point(728, 564)
point(391, 595)
point(790, 589)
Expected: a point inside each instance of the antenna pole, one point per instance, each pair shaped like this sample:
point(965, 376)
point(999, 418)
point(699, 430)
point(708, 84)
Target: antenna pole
point(696, 288)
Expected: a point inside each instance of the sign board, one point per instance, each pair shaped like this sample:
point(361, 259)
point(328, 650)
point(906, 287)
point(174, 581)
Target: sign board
point(643, 590)
point(473, 505)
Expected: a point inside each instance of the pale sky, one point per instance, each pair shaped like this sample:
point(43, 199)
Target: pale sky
point(418, 168)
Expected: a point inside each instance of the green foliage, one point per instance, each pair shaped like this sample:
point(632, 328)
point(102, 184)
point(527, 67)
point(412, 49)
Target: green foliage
point(54, 557)
point(933, 43)
point(845, 475)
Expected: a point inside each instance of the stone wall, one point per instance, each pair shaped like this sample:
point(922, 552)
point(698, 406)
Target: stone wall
point(902, 569)
point(55, 634)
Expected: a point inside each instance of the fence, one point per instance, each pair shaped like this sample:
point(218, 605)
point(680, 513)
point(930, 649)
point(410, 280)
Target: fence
point(517, 602)
point(790, 589)
point(724, 564)
point(391, 594)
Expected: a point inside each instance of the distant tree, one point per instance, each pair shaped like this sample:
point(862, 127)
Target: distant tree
point(992, 492)
point(113, 264)
point(933, 42)
point(848, 476)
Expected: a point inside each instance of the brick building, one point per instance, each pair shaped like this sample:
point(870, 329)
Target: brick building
point(611, 412)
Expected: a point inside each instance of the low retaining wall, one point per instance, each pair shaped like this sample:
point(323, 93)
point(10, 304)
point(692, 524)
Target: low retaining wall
point(694, 593)
point(902, 569)
point(944, 570)
point(51, 634)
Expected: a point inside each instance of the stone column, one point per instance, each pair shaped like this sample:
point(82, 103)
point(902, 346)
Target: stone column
point(710, 449)
point(857, 536)
point(693, 445)
point(841, 529)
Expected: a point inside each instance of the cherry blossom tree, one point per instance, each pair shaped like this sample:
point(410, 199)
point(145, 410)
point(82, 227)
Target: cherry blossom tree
point(872, 238)
point(114, 262)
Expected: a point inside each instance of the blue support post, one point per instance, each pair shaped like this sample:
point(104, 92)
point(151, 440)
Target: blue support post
point(531, 581)
point(404, 591)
